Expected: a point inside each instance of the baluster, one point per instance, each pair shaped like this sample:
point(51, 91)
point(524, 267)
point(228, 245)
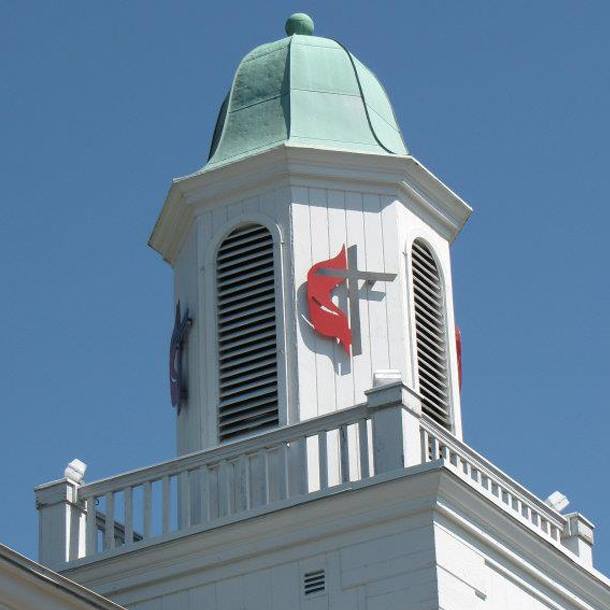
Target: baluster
point(486, 481)
point(344, 454)
point(363, 446)
point(240, 470)
point(224, 494)
point(284, 471)
point(185, 490)
point(466, 468)
point(258, 482)
point(267, 476)
point(424, 446)
point(147, 509)
point(323, 458)
point(215, 491)
point(434, 448)
point(91, 527)
point(205, 494)
point(109, 522)
point(297, 466)
point(165, 504)
point(128, 494)
point(230, 486)
point(274, 473)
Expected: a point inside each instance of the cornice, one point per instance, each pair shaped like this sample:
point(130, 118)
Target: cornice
point(295, 166)
point(431, 493)
point(555, 568)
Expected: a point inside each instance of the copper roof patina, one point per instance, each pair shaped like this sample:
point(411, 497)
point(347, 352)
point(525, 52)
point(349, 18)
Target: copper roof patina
point(308, 91)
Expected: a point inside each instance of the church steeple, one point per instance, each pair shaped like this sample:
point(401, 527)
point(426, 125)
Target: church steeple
point(309, 223)
point(314, 365)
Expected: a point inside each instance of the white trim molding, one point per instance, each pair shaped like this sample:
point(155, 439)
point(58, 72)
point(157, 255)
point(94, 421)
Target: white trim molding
point(289, 164)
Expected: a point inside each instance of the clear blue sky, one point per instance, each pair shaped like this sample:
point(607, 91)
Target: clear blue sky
point(102, 103)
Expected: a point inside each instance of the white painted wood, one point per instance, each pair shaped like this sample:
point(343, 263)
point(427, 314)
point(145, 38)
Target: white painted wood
point(147, 508)
point(326, 399)
point(300, 244)
point(205, 493)
point(363, 448)
point(184, 484)
point(165, 504)
point(60, 522)
point(422, 540)
point(258, 479)
point(323, 459)
point(128, 495)
point(109, 521)
point(91, 527)
point(337, 236)
point(343, 452)
point(318, 218)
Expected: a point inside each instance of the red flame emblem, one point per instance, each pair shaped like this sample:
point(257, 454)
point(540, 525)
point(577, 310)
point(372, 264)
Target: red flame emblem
point(326, 318)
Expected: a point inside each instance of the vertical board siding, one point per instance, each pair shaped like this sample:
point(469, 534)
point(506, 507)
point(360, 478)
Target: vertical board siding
point(337, 232)
point(300, 242)
point(372, 259)
point(394, 291)
point(322, 221)
point(324, 349)
point(362, 371)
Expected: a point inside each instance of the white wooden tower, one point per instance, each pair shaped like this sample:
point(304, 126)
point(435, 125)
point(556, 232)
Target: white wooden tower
point(315, 373)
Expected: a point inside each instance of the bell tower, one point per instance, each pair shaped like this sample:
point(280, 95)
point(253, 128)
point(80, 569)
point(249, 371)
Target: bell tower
point(311, 251)
point(315, 371)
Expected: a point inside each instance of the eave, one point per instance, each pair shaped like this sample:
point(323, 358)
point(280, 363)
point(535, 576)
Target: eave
point(295, 164)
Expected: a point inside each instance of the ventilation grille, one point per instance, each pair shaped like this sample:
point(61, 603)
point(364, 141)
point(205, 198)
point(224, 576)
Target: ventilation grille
point(246, 332)
point(314, 582)
point(431, 335)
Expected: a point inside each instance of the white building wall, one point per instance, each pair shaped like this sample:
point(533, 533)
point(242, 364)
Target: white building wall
point(473, 576)
point(312, 224)
point(383, 227)
point(390, 566)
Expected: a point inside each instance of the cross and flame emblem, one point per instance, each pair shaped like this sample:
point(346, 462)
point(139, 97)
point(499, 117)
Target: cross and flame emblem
point(325, 316)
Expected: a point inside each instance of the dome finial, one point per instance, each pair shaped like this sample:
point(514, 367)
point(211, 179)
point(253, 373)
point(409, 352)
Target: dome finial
point(299, 23)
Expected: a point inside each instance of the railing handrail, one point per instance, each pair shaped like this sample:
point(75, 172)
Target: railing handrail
point(493, 472)
point(225, 452)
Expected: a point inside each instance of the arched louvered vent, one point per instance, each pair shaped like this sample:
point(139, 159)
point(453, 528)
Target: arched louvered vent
point(247, 340)
point(431, 335)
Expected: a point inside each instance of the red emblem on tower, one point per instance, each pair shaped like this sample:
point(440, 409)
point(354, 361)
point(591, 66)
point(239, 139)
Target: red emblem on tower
point(327, 318)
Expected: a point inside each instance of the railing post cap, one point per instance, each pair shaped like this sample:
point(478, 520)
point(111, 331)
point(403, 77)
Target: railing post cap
point(75, 471)
point(55, 492)
point(393, 394)
point(579, 525)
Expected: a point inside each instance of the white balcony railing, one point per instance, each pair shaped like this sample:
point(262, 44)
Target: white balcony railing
point(271, 470)
point(487, 479)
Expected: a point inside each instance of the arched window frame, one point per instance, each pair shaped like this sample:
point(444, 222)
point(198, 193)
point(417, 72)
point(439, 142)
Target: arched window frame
point(209, 313)
point(413, 323)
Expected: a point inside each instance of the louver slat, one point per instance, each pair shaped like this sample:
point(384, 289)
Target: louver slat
point(431, 335)
point(247, 333)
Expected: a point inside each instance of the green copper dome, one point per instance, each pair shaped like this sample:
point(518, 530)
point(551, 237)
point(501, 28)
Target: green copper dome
point(308, 91)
